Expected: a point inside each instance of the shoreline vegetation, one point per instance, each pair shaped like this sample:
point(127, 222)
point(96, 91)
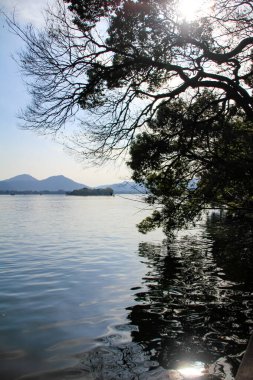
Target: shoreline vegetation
point(81, 192)
point(30, 192)
point(87, 192)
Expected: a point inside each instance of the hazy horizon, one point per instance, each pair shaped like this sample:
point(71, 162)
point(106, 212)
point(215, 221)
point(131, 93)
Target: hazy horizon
point(60, 174)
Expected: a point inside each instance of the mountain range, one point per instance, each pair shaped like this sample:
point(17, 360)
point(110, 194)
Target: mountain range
point(25, 182)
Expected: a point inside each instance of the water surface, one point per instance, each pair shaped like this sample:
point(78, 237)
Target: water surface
point(84, 296)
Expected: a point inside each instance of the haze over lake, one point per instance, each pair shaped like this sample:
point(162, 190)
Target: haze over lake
point(83, 295)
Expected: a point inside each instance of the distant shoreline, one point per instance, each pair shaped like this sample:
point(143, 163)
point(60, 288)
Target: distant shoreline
point(29, 192)
point(24, 184)
point(91, 192)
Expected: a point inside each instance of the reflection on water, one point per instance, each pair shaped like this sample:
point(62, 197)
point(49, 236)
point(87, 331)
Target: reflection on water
point(197, 303)
point(232, 247)
point(90, 307)
point(192, 315)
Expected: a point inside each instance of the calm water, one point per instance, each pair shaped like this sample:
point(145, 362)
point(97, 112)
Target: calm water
point(84, 296)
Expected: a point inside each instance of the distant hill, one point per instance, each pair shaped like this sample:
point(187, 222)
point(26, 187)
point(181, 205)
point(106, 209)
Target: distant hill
point(26, 182)
point(126, 187)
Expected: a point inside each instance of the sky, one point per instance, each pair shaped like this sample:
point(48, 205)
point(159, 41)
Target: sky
point(24, 152)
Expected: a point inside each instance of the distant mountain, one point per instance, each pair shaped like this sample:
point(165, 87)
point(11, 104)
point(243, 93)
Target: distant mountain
point(126, 187)
point(26, 182)
point(60, 182)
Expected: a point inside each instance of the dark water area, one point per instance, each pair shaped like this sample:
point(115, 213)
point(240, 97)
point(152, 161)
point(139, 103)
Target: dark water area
point(84, 296)
point(199, 299)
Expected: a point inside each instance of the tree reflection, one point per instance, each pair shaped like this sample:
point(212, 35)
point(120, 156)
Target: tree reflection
point(194, 307)
point(195, 304)
point(233, 247)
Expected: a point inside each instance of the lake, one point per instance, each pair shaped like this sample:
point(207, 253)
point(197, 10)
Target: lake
point(83, 295)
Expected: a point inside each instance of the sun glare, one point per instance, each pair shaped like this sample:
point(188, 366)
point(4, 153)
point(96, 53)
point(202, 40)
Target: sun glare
point(190, 10)
point(196, 369)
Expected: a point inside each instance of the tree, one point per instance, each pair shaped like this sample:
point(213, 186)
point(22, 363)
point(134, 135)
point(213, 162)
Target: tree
point(190, 160)
point(118, 60)
point(133, 66)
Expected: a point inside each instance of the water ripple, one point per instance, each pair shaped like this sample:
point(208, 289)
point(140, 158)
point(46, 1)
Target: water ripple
point(83, 296)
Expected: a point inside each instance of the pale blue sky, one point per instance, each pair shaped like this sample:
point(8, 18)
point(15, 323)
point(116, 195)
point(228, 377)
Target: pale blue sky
point(23, 151)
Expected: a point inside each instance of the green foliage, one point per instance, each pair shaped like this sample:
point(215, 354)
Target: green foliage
point(191, 159)
point(118, 60)
point(91, 192)
point(135, 70)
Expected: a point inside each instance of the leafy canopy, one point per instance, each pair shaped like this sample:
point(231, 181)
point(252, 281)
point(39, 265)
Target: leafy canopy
point(114, 62)
point(134, 71)
point(190, 160)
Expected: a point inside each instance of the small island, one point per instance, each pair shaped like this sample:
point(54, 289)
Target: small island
point(87, 192)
